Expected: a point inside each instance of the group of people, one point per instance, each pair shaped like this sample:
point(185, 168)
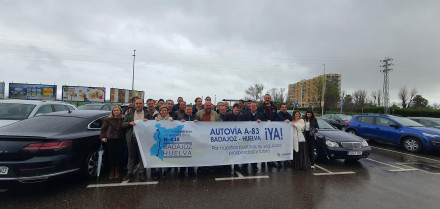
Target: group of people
point(119, 125)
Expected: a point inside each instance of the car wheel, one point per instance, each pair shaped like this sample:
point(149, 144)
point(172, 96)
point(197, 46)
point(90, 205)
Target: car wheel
point(90, 165)
point(412, 144)
point(343, 128)
point(352, 131)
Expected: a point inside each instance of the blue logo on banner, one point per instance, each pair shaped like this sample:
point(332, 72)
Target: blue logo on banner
point(163, 137)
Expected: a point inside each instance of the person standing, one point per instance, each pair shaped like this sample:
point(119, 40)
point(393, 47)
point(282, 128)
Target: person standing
point(268, 109)
point(207, 114)
point(162, 115)
point(188, 116)
point(222, 113)
point(283, 115)
point(235, 115)
point(111, 134)
point(300, 158)
point(160, 103)
point(169, 104)
point(310, 128)
point(150, 107)
point(252, 115)
point(180, 111)
point(198, 105)
point(130, 136)
point(176, 106)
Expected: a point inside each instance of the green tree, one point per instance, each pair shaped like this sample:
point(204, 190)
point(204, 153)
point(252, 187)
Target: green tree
point(419, 102)
point(331, 95)
point(319, 83)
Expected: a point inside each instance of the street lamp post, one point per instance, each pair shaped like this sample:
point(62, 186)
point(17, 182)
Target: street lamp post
point(132, 81)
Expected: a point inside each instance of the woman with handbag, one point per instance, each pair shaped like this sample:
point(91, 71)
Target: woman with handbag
point(310, 128)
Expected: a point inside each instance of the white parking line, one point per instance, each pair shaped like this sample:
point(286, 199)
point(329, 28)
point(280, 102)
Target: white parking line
point(241, 177)
point(124, 183)
point(399, 169)
point(329, 173)
point(412, 155)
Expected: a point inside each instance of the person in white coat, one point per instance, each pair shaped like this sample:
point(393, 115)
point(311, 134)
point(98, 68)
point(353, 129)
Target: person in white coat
point(300, 158)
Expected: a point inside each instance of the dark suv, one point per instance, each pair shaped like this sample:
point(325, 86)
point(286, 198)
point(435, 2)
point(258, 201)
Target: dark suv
point(390, 129)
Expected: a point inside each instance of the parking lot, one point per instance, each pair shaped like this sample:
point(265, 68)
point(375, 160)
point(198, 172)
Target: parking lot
point(389, 178)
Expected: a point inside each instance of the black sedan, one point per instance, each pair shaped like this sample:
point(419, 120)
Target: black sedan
point(337, 120)
point(49, 145)
point(332, 143)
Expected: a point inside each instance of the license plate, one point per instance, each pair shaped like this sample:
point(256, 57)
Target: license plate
point(355, 153)
point(3, 170)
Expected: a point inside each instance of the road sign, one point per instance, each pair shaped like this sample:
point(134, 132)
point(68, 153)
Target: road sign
point(295, 102)
point(342, 104)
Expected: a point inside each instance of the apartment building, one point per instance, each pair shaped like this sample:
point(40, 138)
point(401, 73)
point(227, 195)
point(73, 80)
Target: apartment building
point(305, 91)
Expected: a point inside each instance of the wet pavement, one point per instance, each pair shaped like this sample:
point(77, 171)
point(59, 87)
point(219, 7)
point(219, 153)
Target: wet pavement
point(389, 178)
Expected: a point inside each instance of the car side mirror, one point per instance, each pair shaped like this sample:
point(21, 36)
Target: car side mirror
point(394, 126)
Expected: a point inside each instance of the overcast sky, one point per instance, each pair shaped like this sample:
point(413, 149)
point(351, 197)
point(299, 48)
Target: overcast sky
point(220, 48)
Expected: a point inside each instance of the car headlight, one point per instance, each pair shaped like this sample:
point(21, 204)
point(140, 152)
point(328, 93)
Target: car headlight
point(331, 144)
point(364, 143)
point(431, 135)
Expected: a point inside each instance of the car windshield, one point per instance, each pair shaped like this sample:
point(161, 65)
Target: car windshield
point(406, 122)
point(324, 125)
point(436, 120)
point(90, 107)
point(345, 117)
point(15, 111)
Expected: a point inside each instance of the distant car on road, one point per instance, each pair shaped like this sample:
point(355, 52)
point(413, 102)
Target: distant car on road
point(106, 107)
point(337, 120)
point(49, 145)
point(334, 144)
point(13, 110)
point(412, 136)
point(428, 122)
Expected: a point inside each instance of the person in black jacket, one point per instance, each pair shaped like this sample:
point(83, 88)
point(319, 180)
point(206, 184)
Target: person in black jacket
point(268, 109)
point(311, 126)
point(188, 116)
point(253, 115)
point(283, 115)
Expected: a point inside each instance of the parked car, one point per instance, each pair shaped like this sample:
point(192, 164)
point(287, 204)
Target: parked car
point(106, 107)
point(428, 122)
point(13, 110)
point(334, 144)
point(337, 120)
point(412, 136)
point(49, 145)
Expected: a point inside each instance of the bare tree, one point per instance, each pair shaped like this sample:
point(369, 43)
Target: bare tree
point(254, 92)
point(411, 98)
point(403, 96)
point(278, 95)
point(360, 98)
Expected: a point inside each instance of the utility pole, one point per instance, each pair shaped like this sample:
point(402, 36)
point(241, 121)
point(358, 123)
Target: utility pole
point(132, 81)
point(386, 83)
point(323, 92)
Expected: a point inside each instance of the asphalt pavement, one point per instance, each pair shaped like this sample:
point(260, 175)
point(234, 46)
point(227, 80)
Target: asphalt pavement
point(389, 178)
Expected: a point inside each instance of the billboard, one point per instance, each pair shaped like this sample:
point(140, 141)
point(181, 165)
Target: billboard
point(32, 91)
point(2, 90)
point(83, 94)
point(124, 95)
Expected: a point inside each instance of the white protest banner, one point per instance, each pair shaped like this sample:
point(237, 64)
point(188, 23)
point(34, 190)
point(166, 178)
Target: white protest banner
point(185, 144)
